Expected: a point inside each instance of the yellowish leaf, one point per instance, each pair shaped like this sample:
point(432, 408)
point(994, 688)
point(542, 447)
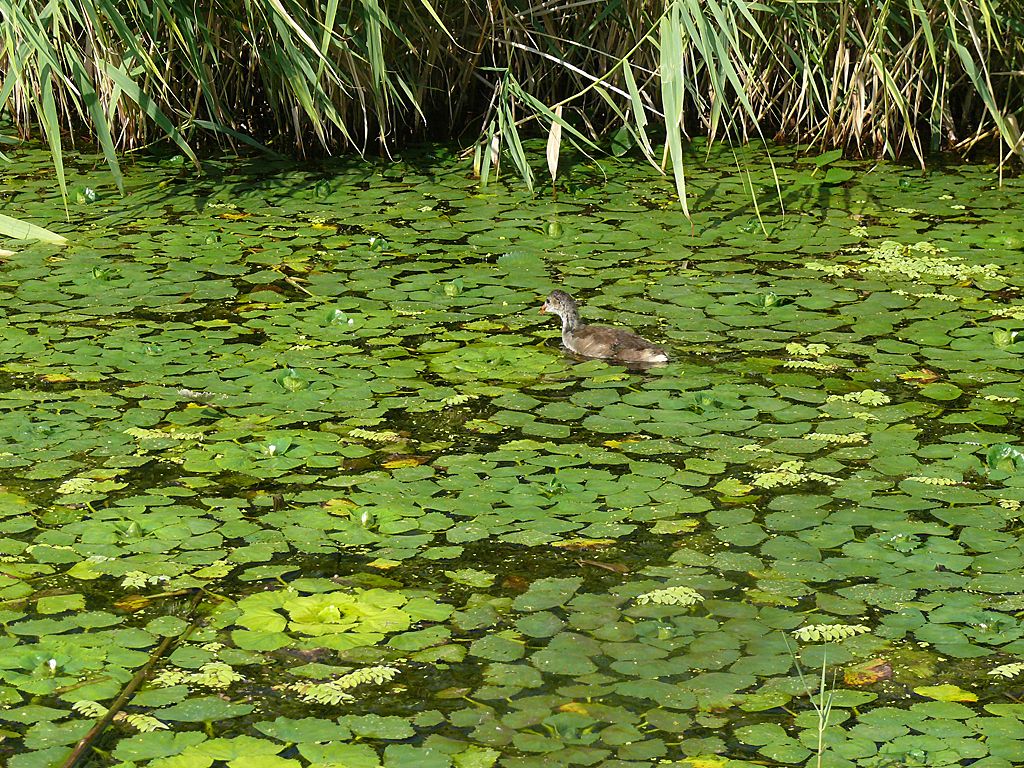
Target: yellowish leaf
point(133, 603)
point(705, 762)
point(618, 443)
point(868, 672)
point(339, 506)
point(732, 487)
point(582, 543)
point(406, 461)
point(576, 707)
point(554, 143)
point(674, 526)
point(945, 692)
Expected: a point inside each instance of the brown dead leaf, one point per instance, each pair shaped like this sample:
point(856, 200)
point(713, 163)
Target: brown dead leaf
point(921, 377)
point(405, 461)
point(133, 603)
point(868, 672)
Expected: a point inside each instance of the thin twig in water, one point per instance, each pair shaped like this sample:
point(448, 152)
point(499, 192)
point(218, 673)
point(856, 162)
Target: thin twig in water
point(82, 748)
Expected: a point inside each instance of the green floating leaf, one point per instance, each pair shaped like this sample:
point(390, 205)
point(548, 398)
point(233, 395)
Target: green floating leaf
point(304, 729)
point(494, 362)
point(205, 709)
point(333, 753)
point(236, 747)
point(498, 647)
point(1005, 458)
point(836, 176)
point(378, 727)
point(827, 158)
point(471, 577)
point(263, 761)
point(762, 702)
point(547, 593)
point(941, 391)
point(147, 746)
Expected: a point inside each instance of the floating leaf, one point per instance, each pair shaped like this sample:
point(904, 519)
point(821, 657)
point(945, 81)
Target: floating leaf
point(405, 461)
point(945, 692)
point(941, 391)
point(732, 487)
point(922, 377)
point(868, 672)
point(1004, 337)
point(1005, 458)
point(834, 176)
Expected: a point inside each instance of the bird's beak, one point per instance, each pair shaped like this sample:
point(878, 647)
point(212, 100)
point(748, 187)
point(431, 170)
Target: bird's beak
point(543, 308)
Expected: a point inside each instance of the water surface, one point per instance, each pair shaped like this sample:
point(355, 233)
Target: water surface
point(425, 536)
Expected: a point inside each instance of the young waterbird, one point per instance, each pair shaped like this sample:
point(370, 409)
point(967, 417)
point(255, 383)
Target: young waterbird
point(599, 340)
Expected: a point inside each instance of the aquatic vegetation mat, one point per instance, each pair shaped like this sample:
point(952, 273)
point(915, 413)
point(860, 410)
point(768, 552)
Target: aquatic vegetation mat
point(307, 424)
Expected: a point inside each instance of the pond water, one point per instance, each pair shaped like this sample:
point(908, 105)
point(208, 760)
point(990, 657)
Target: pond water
point(311, 417)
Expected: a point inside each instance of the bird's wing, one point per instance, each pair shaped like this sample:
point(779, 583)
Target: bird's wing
point(601, 341)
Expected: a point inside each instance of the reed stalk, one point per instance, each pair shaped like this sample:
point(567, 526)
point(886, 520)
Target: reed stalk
point(886, 77)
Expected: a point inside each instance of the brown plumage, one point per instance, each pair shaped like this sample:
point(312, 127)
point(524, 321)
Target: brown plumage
point(599, 340)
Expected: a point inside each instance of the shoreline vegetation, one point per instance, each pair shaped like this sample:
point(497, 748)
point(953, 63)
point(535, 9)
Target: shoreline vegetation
point(896, 79)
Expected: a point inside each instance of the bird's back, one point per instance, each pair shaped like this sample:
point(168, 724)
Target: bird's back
point(614, 343)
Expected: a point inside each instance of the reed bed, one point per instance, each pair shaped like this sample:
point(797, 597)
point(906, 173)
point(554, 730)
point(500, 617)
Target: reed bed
point(887, 77)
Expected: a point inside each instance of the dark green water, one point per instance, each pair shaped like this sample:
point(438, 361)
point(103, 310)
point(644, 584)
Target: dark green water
point(425, 536)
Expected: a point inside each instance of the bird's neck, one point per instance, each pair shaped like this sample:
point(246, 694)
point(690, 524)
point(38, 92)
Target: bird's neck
point(570, 321)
